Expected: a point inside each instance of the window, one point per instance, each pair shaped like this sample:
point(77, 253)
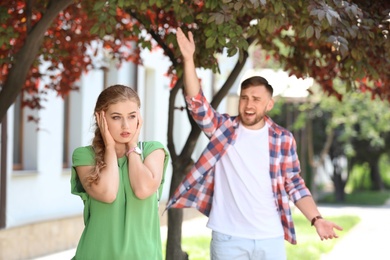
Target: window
point(65, 141)
point(18, 134)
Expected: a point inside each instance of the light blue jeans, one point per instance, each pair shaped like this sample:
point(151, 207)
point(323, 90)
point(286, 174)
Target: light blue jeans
point(225, 247)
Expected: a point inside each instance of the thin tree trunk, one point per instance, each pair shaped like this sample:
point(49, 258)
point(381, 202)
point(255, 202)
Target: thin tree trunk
point(376, 179)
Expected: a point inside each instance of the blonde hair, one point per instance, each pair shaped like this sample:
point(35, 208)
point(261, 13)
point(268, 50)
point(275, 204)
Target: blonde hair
point(109, 96)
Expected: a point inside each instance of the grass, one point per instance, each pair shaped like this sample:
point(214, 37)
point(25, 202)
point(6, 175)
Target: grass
point(309, 244)
point(361, 198)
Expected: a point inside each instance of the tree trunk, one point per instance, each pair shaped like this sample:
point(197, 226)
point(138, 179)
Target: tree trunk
point(376, 179)
point(338, 187)
point(173, 248)
point(338, 181)
point(175, 220)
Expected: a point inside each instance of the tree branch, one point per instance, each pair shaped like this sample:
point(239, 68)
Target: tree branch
point(27, 54)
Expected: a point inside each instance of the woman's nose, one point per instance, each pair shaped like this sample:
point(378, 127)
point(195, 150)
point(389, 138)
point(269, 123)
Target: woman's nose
point(125, 124)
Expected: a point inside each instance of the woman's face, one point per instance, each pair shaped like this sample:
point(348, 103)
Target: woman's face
point(122, 120)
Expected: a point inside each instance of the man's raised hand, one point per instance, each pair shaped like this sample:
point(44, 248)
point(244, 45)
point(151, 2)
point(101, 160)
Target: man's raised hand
point(186, 45)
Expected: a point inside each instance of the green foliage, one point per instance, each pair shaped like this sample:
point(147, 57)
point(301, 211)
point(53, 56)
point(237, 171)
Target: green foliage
point(359, 178)
point(360, 116)
point(328, 39)
point(384, 168)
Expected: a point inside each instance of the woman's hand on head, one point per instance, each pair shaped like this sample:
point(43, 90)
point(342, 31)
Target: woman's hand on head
point(134, 140)
point(102, 124)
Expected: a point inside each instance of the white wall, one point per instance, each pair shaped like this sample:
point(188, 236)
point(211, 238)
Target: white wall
point(42, 190)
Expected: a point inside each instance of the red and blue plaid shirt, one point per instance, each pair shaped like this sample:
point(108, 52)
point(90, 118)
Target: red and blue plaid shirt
point(196, 190)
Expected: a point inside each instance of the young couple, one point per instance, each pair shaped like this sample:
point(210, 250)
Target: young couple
point(243, 181)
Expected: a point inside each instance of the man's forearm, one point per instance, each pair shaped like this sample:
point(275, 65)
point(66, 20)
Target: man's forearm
point(191, 81)
point(308, 207)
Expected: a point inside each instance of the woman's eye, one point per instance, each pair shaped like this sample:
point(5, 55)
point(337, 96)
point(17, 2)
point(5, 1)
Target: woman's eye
point(116, 117)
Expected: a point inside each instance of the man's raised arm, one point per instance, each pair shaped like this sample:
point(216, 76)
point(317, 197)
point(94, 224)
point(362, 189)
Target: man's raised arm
point(187, 48)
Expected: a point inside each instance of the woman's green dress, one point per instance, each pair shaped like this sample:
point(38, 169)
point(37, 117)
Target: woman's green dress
point(128, 228)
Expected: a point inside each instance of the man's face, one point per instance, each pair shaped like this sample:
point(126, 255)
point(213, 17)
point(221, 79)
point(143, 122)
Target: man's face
point(254, 104)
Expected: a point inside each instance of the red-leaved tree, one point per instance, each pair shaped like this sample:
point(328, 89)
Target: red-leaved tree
point(324, 39)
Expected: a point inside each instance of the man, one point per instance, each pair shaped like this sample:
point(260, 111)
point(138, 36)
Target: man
point(246, 175)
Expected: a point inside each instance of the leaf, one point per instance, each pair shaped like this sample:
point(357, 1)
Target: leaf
point(209, 32)
point(121, 3)
point(318, 32)
point(95, 28)
point(211, 19)
point(271, 27)
point(314, 12)
point(237, 6)
point(355, 54)
point(99, 5)
point(321, 15)
point(219, 18)
point(232, 51)
point(222, 40)
point(263, 24)
point(343, 50)
point(329, 18)
point(278, 7)
point(309, 31)
point(210, 42)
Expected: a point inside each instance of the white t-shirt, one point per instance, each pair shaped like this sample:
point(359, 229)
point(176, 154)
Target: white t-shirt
point(243, 202)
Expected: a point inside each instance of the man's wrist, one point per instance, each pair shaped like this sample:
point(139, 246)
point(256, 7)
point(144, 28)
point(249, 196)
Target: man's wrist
point(313, 220)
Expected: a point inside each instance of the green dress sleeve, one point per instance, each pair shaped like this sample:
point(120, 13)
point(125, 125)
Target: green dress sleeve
point(148, 148)
point(82, 156)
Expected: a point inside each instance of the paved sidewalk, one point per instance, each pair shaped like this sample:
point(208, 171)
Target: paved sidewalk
point(367, 240)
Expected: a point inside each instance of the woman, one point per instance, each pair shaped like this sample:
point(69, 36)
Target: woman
point(119, 183)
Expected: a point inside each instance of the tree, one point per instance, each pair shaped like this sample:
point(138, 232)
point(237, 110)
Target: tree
point(325, 39)
point(356, 129)
point(60, 33)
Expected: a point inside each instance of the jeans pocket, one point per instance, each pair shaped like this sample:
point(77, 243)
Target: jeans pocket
point(217, 236)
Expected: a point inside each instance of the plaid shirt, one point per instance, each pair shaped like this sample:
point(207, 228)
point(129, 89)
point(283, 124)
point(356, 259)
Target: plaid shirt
point(196, 190)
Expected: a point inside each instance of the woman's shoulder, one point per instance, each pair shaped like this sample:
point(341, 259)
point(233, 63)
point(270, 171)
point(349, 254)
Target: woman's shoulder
point(84, 149)
point(83, 154)
point(150, 146)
